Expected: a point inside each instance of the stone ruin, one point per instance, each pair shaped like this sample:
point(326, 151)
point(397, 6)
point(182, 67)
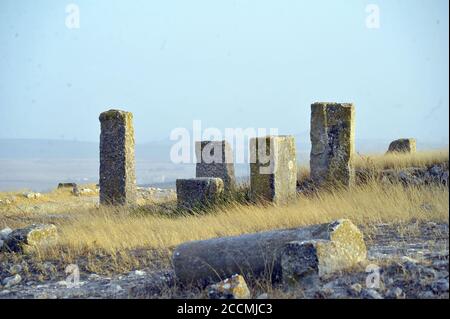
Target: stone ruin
point(117, 171)
point(273, 169)
point(332, 143)
point(403, 145)
point(215, 159)
point(198, 192)
point(290, 255)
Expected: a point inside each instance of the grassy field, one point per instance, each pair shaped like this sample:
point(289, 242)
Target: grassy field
point(105, 239)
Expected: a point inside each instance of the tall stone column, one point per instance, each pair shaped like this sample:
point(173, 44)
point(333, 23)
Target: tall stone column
point(332, 143)
point(215, 159)
point(117, 171)
point(273, 169)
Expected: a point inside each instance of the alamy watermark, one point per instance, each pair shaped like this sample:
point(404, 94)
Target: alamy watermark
point(73, 16)
point(373, 17)
point(184, 149)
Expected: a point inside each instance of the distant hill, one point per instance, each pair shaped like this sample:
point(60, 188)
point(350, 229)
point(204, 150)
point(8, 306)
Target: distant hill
point(158, 152)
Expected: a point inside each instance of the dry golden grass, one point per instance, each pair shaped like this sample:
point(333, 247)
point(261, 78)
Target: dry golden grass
point(106, 237)
point(396, 161)
point(401, 160)
point(115, 232)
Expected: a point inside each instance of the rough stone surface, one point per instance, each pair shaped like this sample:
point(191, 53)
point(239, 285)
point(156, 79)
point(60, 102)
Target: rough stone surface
point(117, 163)
point(4, 233)
point(230, 288)
point(67, 185)
point(215, 159)
point(273, 169)
point(11, 281)
point(403, 145)
point(198, 192)
point(252, 255)
point(416, 263)
point(28, 238)
point(332, 143)
point(311, 259)
point(435, 174)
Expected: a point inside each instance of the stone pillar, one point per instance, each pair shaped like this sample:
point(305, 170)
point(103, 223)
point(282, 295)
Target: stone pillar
point(215, 159)
point(198, 192)
point(117, 172)
point(403, 145)
point(332, 143)
point(273, 169)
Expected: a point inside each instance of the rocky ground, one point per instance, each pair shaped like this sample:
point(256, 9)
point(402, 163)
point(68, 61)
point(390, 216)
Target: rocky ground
point(411, 261)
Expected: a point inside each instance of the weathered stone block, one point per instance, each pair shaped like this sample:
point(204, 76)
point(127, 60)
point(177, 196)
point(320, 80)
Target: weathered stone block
point(198, 192)
point(230, 288)
point(332, 143)
point(273, 169)
point(67, 185)
point(403, 145)
point(254, 255)
point(305, 261)
point(28, 238)
point(215, 159)
point(117, 171)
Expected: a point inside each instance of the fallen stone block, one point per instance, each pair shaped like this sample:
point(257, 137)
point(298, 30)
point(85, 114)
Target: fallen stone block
point(198, 192)
point(215, 159)
point(259, 254)
point(403, 145)
point(308, 261)
point(273, 169)
point(67, 185)
point(27, 239)
point(230, 288)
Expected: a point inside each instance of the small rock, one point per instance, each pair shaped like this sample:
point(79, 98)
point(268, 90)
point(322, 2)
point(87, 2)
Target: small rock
point(440, 286)
point(371, 294)
point(15, 269)
point(355, 289)
point(32, 195)
point(11, 281)
point(263, 296)
point(4, 233)
point(230, 288)
point(139, 273)
point(395, 293)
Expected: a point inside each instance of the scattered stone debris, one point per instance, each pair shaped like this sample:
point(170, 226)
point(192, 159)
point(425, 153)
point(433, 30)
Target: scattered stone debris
point(28, 238)
point(403, 145)
point(11, 281)
point(409, 266)
point(234, 287)
point(435, 174)
point(32, 195)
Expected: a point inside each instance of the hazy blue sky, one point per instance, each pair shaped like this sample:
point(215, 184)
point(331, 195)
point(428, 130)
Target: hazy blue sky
point(246, 63)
